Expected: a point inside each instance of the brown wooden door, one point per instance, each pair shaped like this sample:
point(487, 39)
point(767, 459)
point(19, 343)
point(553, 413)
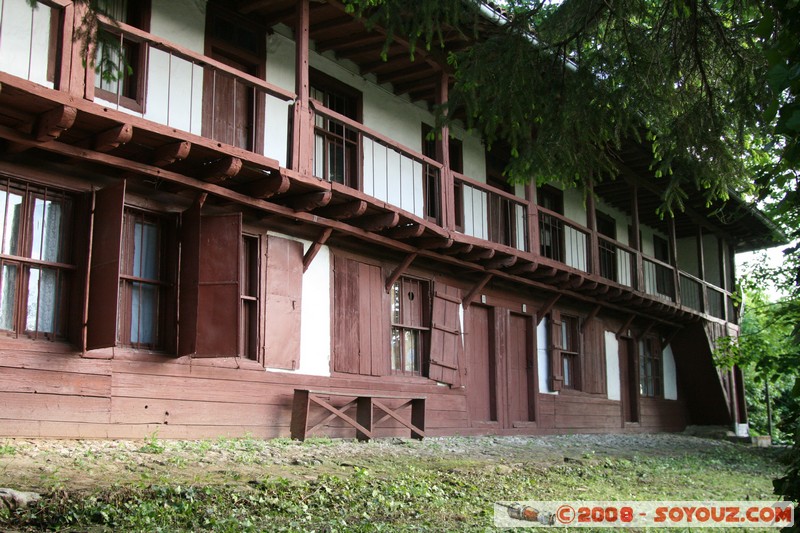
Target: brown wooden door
point(520, 368)
point(481, 382)
point(628, 380)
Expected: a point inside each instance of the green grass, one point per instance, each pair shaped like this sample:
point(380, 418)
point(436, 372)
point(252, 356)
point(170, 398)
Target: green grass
point(408, 493)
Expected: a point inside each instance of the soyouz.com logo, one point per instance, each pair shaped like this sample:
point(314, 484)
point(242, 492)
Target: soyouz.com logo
point(644, 514)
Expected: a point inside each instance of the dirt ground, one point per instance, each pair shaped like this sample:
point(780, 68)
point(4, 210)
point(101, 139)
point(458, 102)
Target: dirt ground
point(42, 465)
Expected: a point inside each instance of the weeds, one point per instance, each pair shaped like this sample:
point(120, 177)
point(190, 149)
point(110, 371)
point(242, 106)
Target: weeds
point(385, 492)
point(7, 449)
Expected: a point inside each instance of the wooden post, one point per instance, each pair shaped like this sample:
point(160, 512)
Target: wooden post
point(299, 414)
point(637, 241)
point(302, 129)
point(723, 271)
point(701, 267)
point(418, 417)
point(533, 218)
point(81, 75)
point(591, 221)
point(446, 182)
point(673, 259)
point(364, 417)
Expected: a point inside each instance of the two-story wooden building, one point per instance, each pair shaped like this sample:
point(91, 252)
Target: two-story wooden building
point(255, 206)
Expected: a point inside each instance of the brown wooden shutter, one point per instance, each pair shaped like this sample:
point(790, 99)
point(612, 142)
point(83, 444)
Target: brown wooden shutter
point(283, 299)
point(446, 346)
point(189, 280)
point(556, 367)
point(104, 263)
point(593, 365)
point(360, 319)
point(210, 294)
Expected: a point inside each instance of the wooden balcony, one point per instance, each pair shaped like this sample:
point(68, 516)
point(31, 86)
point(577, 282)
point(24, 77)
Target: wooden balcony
point(352, 184)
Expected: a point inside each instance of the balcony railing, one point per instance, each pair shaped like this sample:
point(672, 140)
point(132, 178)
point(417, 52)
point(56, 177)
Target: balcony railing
point(617, 261)
point(659, 279)
point(563, 240)
point(349, 153)
point(180, 88)
point(185, 90)
point(488, 213)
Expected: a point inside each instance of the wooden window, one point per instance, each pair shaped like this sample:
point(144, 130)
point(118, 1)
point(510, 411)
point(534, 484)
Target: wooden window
point(35, 263)
point(337, 147)
point(570, 352)
point(651, 369)
point(432, 177)
point(250, 288)
point(410, 318)
point(145, 290)
point(121, 63)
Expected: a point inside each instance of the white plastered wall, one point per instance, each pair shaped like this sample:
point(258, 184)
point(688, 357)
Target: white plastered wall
point(25, 40)
point(670, 374)
point(280, 72)
point(542, 358)
point(613, 385)
point(687, 256)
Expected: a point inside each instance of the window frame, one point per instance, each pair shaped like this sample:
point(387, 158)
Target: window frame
point(24, 261)
point(419, 325)
point(571, 349)
point(251, 289)
point(138, 15)
point(651, 367)
point(165, 283)
point(329, 129)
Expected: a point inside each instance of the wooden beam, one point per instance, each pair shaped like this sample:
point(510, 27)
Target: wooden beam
point(625, 326)
point(547, 307)
point(345, 210)
point(268, 186)
point(523, 268)
point(270, 208)
point(592, 315)
point(51, 124)
point(220, 170)
point(399, 270)
point(406, 231)
point(113, 138)
point(169, 153)
point(500, 262)
point(309, 201)
point(315, 247)
point(378, 222)
point(459, 248)
point(468, 299)
point(434, 243)
point(480, 253)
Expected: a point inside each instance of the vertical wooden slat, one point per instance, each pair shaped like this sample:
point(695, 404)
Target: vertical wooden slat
point(101, 314)
point(283, 302)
